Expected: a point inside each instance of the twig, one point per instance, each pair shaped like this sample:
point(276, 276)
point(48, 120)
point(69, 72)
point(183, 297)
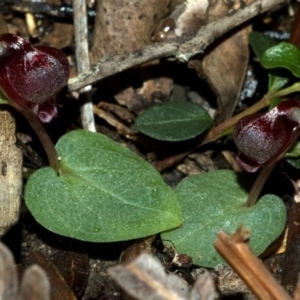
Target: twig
point(120, 127)
point(181, 48)
point(83, 62)
point(238, 255)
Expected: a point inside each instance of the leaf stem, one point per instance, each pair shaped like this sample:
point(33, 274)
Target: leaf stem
point(44, 138)
point(222, 129)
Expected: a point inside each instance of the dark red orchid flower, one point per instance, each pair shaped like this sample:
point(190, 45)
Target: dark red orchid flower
point(263, 139)
point(30, 77)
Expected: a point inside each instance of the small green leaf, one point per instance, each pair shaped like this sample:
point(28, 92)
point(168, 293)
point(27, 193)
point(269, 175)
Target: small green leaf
point(174, 121)
point(293, 156)
point(295, 162)
point(276, 80)
point(104, 192)
point(260, 43)
point(283, 55)
point(3, 99)
point(274, 102)
point(294, 151)
point(214, 201)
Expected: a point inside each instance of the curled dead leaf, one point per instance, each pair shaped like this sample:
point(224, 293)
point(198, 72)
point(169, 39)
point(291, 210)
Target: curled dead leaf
point(145, 278)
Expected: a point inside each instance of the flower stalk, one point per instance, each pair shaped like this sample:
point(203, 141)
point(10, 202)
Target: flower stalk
point(44, 138)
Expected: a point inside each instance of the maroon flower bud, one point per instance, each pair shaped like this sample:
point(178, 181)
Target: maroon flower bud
point(263, 139)
point(31, 77)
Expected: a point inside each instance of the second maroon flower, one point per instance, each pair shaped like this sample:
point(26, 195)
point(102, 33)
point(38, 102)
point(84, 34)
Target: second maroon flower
point(263, 139)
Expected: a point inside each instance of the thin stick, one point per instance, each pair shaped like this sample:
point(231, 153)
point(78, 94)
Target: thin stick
point(182, 48)
point(238, 255)
point(83, 61)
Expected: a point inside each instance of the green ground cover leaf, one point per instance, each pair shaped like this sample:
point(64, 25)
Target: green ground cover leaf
point(293, 156)
point(174, 121)
point(214, 201)
point(104, 192)
point(283, 55)
point(260, 43)
point(277, 82)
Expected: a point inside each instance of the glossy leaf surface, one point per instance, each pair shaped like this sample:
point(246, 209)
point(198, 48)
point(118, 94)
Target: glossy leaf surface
point(283, 55)
point(214, 201)
point(261, 43)
point(104, 192)
point(174, 121)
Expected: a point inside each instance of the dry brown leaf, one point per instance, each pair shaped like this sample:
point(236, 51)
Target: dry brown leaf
point(122, 27)
point(203, 288)
point(144, 278)
point(34, 285)
point(74, 267)
point(184, 20)
point(59, 288)
point(190, 16)
point(8, 275)
point(61, 36)
point(183, 48)
point(225, 68)
point(137, 247)
point(157, 83)
point(220, 8)
point(125, 26)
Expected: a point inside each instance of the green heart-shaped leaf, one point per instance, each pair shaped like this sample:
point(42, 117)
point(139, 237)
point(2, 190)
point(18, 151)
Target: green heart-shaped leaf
point(214, 201)
point(283, 55)
point(174, 121)
point(104, 192)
